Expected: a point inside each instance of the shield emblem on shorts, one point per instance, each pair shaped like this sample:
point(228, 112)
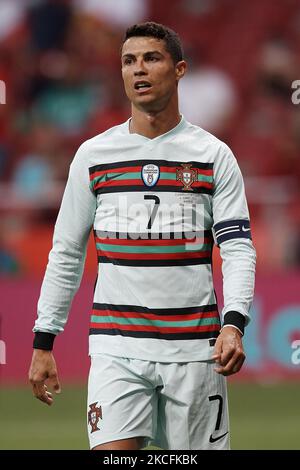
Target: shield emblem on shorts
point(150, 174)
point(94, 414)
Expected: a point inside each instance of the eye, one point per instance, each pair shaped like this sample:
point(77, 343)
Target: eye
point(127, 61)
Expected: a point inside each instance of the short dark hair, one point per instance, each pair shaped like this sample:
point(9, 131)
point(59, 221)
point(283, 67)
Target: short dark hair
point(158, 31)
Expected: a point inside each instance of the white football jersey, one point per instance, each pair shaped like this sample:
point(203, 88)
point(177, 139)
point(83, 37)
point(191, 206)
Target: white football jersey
point(157, 206)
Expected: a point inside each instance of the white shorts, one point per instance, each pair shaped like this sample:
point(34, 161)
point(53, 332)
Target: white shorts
point(171, 405)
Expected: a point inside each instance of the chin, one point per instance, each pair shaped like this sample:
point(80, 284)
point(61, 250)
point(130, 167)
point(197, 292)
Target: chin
point(146, 103)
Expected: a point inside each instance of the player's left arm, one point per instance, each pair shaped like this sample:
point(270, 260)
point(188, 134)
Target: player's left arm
point(232, 235)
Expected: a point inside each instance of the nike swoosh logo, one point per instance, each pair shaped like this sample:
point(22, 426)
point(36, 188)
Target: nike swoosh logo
point(245, 229)
point(108, 178)
point(215, 439)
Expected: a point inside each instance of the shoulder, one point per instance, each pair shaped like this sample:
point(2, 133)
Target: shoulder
point(91, 147)
point(217, 149)
point(105, 137)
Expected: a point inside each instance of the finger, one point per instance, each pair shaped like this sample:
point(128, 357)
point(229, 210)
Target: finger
point(217, 351)
point(38, 390)
point(46, 400)
point(41, 394)
point(238, 365)
point(227, 369)
point(233, 366)
point(223, 361)
point(216, 357)
point(227, 355)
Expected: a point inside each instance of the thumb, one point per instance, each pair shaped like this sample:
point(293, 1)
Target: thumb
point(55, 383)
point(57, 387)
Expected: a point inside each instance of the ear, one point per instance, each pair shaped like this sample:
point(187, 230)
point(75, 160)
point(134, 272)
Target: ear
point(180, 69)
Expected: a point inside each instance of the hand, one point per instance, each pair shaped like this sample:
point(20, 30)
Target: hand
point(43, 367)
point(229, 351)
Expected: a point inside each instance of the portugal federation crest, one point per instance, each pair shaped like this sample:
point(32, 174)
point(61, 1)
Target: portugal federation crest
point(94, 414)
point(187, 175)
point(150, 174)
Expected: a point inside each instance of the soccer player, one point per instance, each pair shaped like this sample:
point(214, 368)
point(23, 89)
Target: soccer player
point(158, 192)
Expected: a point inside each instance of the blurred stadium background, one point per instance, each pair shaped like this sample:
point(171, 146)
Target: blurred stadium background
point(59, 61)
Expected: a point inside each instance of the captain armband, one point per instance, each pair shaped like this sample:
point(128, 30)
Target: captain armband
point(231, 229)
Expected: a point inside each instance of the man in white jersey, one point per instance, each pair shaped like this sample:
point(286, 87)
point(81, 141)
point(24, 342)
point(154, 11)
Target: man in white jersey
point(158, 192)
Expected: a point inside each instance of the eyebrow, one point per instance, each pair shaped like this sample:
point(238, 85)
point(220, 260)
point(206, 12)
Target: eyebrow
point(145, 53)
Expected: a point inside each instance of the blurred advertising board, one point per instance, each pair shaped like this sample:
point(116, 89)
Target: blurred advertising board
point(272, 339)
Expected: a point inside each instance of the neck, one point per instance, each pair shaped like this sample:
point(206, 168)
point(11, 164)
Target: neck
point(151, 124)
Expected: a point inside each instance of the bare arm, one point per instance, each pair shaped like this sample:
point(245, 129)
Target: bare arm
point(42, 369)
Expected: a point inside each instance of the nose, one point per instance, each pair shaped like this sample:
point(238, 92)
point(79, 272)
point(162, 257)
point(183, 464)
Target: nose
point(139, 73)
point(139, 69)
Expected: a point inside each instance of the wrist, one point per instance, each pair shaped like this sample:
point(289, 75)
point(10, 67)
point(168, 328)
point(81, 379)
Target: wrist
point(234, 319)
point(43, 341)
point(233, 329)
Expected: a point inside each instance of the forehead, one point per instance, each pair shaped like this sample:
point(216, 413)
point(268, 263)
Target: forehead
point(141, 45)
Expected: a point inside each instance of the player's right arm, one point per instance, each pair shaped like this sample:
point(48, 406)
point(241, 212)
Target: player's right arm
point(63, 274)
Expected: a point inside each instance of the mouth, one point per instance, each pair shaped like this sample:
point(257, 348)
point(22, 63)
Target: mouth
point(142, 86)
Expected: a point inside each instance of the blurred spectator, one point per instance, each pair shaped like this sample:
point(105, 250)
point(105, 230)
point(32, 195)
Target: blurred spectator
point(4, 152)
point(8, 261)
point(12, 13)
point(198, 7)
point(37, 172)
point(68, 103)
point(123, 14)
point(292, 251)
point(267, 127)
point(277, 68)
point(96, 42)
point(116, 108)
point(48, 22)
point(207, 97)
